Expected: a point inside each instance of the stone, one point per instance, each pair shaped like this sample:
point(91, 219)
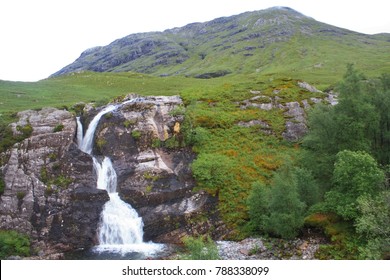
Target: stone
point(308, 87)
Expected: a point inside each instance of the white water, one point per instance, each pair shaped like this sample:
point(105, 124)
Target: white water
point(87, 141)
point(121, 228)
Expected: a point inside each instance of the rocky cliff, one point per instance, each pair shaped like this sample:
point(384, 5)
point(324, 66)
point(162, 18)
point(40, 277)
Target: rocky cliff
point(50, 185)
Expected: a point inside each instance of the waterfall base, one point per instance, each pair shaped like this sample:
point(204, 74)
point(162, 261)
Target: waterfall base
point(147, 249)
point(123, 252)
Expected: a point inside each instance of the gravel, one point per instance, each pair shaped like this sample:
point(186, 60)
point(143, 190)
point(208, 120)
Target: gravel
point(269, 249)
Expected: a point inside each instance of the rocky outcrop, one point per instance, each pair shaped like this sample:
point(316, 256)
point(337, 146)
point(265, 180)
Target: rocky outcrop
point(145, 142)
point(49, 191)
point(50, 185)
point(294, 111)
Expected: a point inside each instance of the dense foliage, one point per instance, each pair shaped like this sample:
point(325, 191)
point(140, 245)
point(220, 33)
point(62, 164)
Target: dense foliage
point(201, 248)
point(13, 243)
point(339, 182)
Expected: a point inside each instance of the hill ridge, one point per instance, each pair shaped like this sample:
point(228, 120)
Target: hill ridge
point(220, 46)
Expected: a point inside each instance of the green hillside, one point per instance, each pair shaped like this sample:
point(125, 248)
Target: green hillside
point(275, 40)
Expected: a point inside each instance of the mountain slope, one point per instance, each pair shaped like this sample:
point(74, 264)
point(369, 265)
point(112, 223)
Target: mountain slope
point(267, 41)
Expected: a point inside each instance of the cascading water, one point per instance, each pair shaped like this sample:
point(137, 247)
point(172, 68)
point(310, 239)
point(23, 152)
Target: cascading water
point(121, 228)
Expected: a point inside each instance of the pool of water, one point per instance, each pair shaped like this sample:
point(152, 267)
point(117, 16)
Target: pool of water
point(124, 252)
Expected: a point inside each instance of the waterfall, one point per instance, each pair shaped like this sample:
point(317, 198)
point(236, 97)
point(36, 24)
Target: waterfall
point(87, 142)
point(121, 228)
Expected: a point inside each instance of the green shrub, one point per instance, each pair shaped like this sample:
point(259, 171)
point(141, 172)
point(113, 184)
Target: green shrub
point(20, 195)
point(277, 210)
point(13, 243)
point(26, 131)
point(136, 134)
point(58, 128)
point(100, 142)
point(200, 249)
point(2, 184)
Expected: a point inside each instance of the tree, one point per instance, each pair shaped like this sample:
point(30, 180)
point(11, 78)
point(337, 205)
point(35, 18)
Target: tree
point(380, 98)
point(355, 116)
point(286, 209)
point(374, 225)
point(258, 206)
point(319, 144)
point(277, 208)
point(356, 174)
point(356, 123)
point(307, 186)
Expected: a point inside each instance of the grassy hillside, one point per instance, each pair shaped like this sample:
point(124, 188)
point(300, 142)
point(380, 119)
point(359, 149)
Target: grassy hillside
point(275, 40)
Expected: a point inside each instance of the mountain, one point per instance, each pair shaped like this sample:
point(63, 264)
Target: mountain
point(259, 41)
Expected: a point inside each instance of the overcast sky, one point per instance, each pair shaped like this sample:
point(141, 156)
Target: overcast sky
point(39, 37)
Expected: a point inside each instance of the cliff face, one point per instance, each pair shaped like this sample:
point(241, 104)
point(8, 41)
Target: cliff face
point(50, 185)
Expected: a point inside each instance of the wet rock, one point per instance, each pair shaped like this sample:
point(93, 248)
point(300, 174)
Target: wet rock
point(48, 191)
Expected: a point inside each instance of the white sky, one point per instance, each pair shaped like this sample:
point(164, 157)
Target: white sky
point(39, 37)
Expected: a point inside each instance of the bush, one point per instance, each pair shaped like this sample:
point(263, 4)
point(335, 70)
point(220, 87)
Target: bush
point(136, 134)
point(212, 172)
point(58, 128)
point(277, 209)
point(356, 174)
point(13, 243)
point(200, 249)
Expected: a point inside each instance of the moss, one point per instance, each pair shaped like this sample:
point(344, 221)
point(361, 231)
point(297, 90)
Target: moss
point(62, 181)
point(136, 134)
point(156, 143)
point(58, 128)
point(148, 189)
point(150, 176)
point(52, 157)
point(2, 184)
point(20, 195)
point(129, 123)
point(49, 191)
point(44, 176)
point(100, 143)
point(26, 130)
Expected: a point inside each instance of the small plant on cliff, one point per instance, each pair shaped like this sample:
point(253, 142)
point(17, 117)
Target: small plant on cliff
point(26, 130)
point(100, 142)
point(2, 184)
point(20, 195)
point(58, 128)
point(13, 243)
point(136, 134)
